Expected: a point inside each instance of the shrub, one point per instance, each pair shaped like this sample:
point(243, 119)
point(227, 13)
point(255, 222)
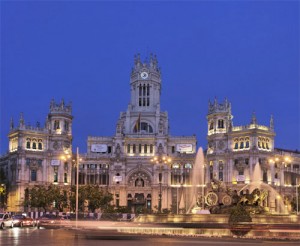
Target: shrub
point(237, 215)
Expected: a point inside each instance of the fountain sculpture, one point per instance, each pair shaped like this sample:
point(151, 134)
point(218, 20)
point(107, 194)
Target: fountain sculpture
point(196, 203)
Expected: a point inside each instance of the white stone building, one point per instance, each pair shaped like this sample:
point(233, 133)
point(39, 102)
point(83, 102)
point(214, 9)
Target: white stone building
point(142, 164)
point(35, 154)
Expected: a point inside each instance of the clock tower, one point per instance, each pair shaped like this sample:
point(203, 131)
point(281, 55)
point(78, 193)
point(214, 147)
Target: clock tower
point(143, 115)
point(145, 83)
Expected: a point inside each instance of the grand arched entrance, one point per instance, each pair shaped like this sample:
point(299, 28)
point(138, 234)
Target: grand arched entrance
point(139, 192)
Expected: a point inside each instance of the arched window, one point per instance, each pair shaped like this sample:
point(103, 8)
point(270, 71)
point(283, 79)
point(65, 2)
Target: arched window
point(145, 128)
point(56, 125)
point(34, 145)
point(188, 165)
point(28, 143)
point(247, 144)
point(241, 145)
point(40, 145)
point(211, 126)
point(175, 165)
point(236, 145)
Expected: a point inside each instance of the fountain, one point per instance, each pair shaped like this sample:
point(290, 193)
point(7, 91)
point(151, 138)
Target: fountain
point(196, 203)
point(257, 185)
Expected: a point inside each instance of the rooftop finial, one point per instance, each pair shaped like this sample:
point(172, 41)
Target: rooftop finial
point(272, 122)
point(21, 119)
point(62, 104)
point(253, 119)
point(11, 123)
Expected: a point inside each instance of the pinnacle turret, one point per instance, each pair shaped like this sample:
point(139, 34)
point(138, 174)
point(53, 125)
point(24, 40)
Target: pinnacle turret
point(253, 119)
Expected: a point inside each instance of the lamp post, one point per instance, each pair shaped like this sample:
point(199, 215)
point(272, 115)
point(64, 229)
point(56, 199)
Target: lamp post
point(297, 197)
point(160, 160)
point(77, 182)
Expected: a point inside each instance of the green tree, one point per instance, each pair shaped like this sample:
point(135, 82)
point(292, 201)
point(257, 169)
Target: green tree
point(38, 197)
point(97, 198)
point(4, 189)
point(43, 197)
point(57, 195)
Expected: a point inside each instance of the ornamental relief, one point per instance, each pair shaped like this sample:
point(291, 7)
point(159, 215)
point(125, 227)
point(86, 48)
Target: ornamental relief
point(139, 179)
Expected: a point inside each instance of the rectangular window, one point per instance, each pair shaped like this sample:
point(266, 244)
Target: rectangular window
point(173, 149)
point(109, 149)
point(145, 148)
point(65, 178)
point(33, 175)
point(128, 148)
point(221, 176)
point(55, 177)
point(151, 148)
point(133, 148)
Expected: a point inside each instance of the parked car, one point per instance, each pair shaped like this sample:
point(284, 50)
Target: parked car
point(52, 221)
point(6, 221)
point(22, 220)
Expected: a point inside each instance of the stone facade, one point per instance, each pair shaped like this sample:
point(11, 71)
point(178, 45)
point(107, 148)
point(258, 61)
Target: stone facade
point(234, 151)
point(142, 164)
point(38, 155)
point(123, 162)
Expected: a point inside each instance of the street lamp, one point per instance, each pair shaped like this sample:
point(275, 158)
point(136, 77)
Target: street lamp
point(160, 160)
point(77, 182)
point(297, 197)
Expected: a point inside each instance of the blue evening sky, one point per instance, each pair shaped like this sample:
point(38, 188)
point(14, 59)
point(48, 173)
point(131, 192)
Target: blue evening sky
point(82, 51)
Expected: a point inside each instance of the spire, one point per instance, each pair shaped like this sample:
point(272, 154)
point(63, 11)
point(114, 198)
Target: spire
point(62, 103)
point(52, 104)
point(253, 120)
point(215, 102)
point(137, 60)
point(21, 121)
point(272, 122)
point(11, 123)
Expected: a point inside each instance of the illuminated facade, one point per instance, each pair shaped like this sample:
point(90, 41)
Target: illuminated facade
point(233, 152)
point(142, 165)
point(123, 163)
point(38, 155)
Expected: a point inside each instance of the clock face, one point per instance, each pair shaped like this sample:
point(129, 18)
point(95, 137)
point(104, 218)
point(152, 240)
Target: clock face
point(144, 75)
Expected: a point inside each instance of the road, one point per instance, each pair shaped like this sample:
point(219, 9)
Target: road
point(81, 236)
